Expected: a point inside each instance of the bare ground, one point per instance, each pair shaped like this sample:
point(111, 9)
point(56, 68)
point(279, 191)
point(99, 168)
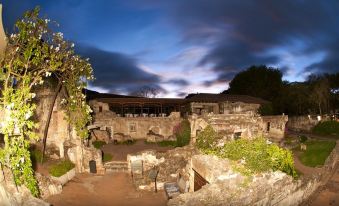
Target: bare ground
point(114, 189)
point(120, 151)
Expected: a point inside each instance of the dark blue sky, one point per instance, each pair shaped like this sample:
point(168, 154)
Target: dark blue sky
point(184, 46)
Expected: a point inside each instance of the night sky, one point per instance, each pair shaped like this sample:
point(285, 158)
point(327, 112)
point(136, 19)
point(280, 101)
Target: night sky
point(188, 46)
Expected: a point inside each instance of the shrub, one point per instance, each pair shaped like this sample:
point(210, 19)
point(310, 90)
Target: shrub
point(258, 156)
point(98, 144)
point(107, 157)
point(302, 139)
point(207, 138)
point(61, 168)
point(183, 133)
point(327, 128)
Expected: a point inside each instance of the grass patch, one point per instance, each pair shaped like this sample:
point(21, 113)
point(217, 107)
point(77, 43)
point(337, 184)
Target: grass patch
point(61, 168)
point(98, 144)
point(330, 128)
point(107, 157)
point(316, 152)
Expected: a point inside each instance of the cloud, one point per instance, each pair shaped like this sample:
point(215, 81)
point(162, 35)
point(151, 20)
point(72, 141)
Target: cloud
point(242, 33)
point(118, 72)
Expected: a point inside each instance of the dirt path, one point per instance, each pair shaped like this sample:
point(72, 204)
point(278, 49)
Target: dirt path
point(120, 151)
point(114, 189)
point(328, 194)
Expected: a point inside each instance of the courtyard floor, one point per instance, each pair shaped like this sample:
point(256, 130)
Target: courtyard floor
point(120, 151)
point(112, 189)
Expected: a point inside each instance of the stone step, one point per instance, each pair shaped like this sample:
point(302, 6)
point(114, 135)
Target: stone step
point(116, 166)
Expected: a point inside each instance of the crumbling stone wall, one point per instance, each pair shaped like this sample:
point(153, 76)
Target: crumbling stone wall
point(153, 128)
point(233, 126)
point(227, 187)
point(304, 123)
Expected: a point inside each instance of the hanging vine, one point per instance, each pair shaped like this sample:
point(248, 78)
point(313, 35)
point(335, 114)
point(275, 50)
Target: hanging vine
point(34, 54)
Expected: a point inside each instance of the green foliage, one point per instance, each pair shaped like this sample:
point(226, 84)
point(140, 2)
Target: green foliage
point(207, 138)
point(107, 157)
point(266, 109)
point(302, 139)
point(61, 168)
point(327, 128)
point(257, 156)
point(98, 144)
point(34, 54)
point(316, 152)
point(183, 133)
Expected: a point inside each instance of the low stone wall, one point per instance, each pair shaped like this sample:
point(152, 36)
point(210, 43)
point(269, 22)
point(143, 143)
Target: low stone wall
point(301, 123)
point(243, 125)
point(229, 188)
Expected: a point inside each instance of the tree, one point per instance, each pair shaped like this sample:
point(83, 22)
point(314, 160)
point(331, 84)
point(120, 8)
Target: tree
point(146, 91)
point(320, 92)
point(32, 55)
point(258, 81)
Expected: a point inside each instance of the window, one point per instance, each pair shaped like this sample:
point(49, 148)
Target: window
point(237, 135)
point(132, 127)
point(100, 108)
point(268, 127)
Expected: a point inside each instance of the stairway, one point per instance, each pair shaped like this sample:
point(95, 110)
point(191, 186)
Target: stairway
point(116, 166)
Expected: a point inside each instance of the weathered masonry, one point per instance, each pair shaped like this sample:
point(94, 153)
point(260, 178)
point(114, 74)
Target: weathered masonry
point(234, 116)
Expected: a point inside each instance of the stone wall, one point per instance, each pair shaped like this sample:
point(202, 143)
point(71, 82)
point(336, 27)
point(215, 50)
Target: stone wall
point(302, 123)
point(227, 187)
point(223, 108)
point(59, 130)
point(233, 126)
point(135, 127)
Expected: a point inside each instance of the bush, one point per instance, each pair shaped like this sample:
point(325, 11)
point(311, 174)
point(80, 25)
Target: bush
point(98, 144)
point(207, 138)
point(258, 156)
point(61, 168)
point(302, 139)
point(183, 133)
point(107, 157)
point(327, 128)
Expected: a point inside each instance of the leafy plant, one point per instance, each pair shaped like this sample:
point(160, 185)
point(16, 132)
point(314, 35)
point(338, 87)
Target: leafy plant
point(61, 168)
point(98, 144)
point(183, 133)
point(255, 155)
point(207, 138)
point(327, 128)
point(33, 55)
